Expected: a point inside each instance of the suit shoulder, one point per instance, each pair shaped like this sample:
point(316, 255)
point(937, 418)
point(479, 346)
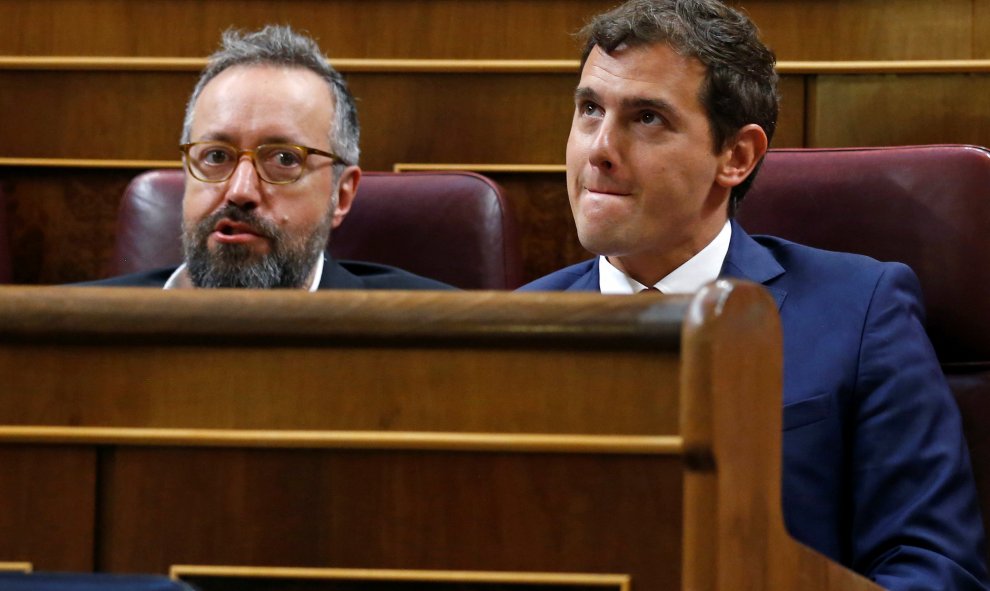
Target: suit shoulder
point(851, 284)
point(378, 276)
point(809, 262)
point(155, 278)
point(562, 279)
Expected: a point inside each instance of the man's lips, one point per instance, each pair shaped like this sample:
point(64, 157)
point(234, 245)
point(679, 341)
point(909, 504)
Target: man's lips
point(231, 232)
point(608, 191)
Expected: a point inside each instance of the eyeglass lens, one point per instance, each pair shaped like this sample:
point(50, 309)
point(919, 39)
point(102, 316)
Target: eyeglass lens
point(276, 163)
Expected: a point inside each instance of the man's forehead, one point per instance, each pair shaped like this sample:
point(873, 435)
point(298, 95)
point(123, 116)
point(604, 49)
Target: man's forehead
point(643, 70)
point(260, 81)
point(642, 61)
point(276, 102)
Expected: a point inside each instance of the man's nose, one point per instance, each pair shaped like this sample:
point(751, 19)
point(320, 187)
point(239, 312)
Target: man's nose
point(603, 151)
point(244, 185)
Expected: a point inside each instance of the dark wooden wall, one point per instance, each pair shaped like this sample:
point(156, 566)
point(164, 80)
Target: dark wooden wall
point(92, 92)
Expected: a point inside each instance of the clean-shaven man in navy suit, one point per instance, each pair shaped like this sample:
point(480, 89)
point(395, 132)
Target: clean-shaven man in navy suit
point(270, 147)
point(675, 108)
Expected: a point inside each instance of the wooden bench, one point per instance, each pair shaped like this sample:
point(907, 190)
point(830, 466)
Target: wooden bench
point(359, 438)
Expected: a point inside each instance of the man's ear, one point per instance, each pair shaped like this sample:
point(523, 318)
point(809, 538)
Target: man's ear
point(346, 190)
point(742, 155)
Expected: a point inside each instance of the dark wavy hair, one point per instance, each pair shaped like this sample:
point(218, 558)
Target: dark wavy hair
point(740, 85)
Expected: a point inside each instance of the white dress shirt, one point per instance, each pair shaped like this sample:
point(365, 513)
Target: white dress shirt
point(700, 269)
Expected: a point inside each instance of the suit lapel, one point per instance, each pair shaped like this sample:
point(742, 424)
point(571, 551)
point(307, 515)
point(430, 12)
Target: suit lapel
point(337, 277)
point(588, 281)
point(748, 260)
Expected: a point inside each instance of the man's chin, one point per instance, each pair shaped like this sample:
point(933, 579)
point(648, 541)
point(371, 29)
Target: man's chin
point(599, 241)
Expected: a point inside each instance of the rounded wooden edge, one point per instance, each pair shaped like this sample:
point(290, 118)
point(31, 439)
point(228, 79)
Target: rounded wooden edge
point(338, 317)
point(344, 65)
point(87, 163)
point(479, 167)
point(16, 567)
point(375, 440)
point(619, 581)
point(467, 66)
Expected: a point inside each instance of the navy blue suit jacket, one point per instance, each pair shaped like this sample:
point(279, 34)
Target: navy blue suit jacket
point(876, 471)
point(336, 275)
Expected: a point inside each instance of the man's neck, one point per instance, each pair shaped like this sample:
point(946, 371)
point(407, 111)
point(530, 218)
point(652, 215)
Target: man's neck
point(688, 277)
point(649, 267)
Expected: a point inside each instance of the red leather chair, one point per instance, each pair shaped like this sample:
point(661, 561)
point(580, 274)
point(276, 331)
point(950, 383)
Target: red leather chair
point(452, 226)
point(926, 206)
point(6, 271)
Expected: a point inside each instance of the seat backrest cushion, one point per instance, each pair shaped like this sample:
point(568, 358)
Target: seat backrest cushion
point(926, 206)
point(456, 227)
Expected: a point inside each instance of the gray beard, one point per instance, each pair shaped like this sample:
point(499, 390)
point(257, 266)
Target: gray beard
point(287, 264)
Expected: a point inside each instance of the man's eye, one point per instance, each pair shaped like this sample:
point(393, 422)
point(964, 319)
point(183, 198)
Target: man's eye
point(286, 158)
point(589, 109)
point(650, 118)
point(216, 156)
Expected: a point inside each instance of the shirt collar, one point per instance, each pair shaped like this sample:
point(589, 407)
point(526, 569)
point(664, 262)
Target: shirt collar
point(700, 269)
point(180, 278)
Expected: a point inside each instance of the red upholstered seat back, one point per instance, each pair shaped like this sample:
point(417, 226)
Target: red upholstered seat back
point(452, 226)
point(926, 206)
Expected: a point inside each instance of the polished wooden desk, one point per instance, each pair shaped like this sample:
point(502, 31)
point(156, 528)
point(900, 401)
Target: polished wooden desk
point(568, 440)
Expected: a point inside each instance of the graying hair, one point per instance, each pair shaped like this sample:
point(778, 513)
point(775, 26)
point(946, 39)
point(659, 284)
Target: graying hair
point(279, 45)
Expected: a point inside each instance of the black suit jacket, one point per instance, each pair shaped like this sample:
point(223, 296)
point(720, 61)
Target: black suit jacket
point(336, 275)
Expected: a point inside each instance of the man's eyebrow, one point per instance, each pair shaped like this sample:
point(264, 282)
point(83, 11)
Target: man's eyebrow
point(279, 139)
point(672, 114)
point(648, 103)
point(228, 138)
point(215, 137)
point(583, 93)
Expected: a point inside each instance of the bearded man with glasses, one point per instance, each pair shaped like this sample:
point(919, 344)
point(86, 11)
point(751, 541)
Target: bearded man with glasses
point(270, 148)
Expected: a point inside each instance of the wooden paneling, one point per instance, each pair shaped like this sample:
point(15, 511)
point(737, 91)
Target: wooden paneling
point(495, 118)
point(981, 29)
point(60, 114)
point(62, 221)
point(422, 510)
point(61, 503)
point(486, 29)
point(549, 238)
point(790, 121)
point(899, 110)
point(866, 29)
point(491, 29)
point(406, 117)
point(125, 388)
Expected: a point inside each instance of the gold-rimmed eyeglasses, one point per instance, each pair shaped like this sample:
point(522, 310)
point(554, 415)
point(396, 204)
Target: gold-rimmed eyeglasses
point(278, 164)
